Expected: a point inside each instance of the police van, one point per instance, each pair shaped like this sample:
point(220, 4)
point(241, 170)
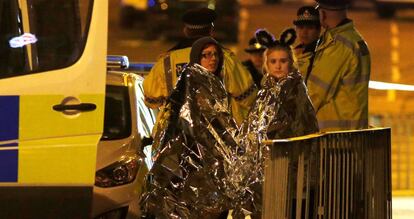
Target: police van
point(52, 91)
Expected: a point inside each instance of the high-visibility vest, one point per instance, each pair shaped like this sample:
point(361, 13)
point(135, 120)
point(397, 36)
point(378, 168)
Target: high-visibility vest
point(303, 57)
point(302, 60)
point(338, 82)
point(237, 81)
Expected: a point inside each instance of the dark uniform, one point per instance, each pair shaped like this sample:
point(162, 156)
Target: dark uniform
point(254, 48)
point(338, 82)
point(162, 78)
point(303, 54)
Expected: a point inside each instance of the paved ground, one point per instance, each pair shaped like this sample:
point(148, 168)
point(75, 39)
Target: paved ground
point(403, 207)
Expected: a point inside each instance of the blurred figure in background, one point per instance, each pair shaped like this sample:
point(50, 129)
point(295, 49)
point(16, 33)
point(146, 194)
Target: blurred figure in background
point(163, 76)
point(308, 29)
point(338, 81)
point(255, 61)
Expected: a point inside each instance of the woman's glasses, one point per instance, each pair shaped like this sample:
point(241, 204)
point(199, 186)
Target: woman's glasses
point(209, 55)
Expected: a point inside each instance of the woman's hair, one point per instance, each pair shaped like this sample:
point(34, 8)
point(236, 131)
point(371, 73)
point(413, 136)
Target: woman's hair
point(198, 47)
point(287, 38)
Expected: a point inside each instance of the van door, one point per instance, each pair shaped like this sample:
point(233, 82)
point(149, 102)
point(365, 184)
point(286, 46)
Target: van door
point(52, 84)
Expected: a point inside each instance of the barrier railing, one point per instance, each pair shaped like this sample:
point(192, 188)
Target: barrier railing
point(331, 175)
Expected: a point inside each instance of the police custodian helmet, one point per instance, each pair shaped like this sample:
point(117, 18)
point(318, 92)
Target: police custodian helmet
point(199, 18)
point(307, 15)
point(333, 4)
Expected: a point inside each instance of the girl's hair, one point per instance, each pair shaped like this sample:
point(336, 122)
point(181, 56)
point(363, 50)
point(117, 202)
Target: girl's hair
point(286, 39)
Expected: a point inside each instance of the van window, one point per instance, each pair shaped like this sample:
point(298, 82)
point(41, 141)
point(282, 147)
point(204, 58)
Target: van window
point(41, 35)
point(117, 121)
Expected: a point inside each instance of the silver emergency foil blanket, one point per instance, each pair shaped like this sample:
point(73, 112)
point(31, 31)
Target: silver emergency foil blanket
point(203, 164)
point(283, 109)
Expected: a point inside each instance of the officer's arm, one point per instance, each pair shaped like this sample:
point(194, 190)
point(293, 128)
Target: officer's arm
point(238, 81)
point(356, 77)
point(359, 70)
point(352, 76)
point(326, 76)
point(155, 91)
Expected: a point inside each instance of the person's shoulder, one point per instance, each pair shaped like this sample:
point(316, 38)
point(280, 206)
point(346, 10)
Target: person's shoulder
point(163, 55)
point(354, 42)
point(172, 54)
point(182, 50)
point(182, 44)
point(358, 41)
point(349, 32)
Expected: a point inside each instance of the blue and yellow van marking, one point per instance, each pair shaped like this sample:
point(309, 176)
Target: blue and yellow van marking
point(9, 135)
point(41, 146)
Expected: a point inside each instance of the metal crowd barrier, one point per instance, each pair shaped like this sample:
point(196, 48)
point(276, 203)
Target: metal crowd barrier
point(331, 175)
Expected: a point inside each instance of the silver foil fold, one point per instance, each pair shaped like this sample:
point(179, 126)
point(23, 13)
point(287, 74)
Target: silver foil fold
point(204, 164)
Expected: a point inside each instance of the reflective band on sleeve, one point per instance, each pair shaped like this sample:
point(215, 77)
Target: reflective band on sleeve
point(168, 73)
point(319, 82)
point(246, 94)
point(343, 124)
point(356, 80)
point(348, 44)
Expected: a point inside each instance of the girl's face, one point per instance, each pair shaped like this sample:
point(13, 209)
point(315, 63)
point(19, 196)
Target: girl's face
point(210, 58)
point(278, 63)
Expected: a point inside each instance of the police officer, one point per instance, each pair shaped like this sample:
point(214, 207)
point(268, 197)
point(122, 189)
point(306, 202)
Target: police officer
point(338, 81)
point(163, 76)
point(255, 61)
point(308, 29)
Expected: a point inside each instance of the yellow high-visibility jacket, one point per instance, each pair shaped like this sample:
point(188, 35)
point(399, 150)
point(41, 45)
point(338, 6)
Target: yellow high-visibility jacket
point(302, 60)
point(338, 82)
point(302, 57)
point(237, 81)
